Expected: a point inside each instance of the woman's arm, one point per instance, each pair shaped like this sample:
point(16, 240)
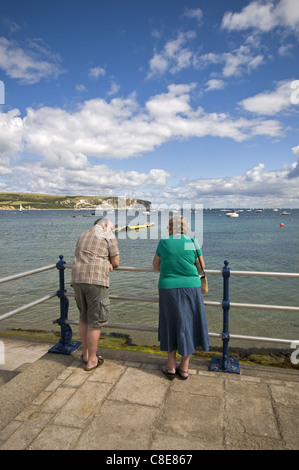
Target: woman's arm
point(198, 264)
point(156, 262)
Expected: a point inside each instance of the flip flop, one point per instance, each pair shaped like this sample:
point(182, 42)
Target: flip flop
point(85, 362)
point(168, 374)
point(100, 362)
point(179, 372)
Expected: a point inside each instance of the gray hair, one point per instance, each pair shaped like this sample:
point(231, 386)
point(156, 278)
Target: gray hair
point(178, 225)
point(101, 221)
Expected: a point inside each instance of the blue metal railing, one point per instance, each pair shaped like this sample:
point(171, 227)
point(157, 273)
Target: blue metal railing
point(223, 363)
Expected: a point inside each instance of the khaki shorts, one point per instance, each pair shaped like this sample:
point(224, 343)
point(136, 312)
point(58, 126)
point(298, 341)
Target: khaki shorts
point(93, 303)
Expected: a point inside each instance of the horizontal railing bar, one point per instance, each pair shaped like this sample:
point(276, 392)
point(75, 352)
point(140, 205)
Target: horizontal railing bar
point(25, 307)
point(209, 271)
point(260, 338)
point(264, 307)
point(215, 335)
point(264, 274)
point(208, 303)
point(26, 273)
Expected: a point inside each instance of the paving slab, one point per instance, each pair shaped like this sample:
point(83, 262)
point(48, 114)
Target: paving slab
point(127, 404)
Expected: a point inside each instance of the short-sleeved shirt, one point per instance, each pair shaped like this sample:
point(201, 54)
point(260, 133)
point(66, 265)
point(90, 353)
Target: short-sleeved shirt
point(93, 250)
point(177, 262)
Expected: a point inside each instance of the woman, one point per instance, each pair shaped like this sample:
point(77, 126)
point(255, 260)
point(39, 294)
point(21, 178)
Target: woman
point(182, 319)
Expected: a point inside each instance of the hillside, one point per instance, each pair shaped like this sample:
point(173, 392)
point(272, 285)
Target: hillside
point(30, 201)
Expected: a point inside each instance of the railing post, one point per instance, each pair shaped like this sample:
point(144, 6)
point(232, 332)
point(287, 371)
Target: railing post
point(225, 363)
point(65, 345)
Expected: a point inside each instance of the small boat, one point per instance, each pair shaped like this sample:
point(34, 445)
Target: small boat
point(285, 213)
point(232, 214)
point(133, 227)
point(259, 211)
point(138, 227)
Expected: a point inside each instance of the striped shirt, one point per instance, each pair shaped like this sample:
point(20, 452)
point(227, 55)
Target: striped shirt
point(93, 251)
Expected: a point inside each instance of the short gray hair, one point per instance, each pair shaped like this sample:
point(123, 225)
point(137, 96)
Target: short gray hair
point(101, 221)
point(178, 225)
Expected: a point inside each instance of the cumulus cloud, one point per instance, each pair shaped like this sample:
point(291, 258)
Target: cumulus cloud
point(255, 186)
point(55, 149)
point(270, 102)
point(215, 84)
point(31, 64)
point(194, 13)
point(120, 128)
point(96, 72)
point(90, 179)
point(294, 173)
point(234, 63)
point(11, 128)
point(264, 16)
point(174, 57)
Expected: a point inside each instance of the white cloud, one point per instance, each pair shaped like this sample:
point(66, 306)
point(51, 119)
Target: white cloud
point(270, 102)
point(28, 65)
point(174, 57)
point(215, 84)
point(255, 187)
point(89, 179)
point(294, 173)
point(235, 63)
point(80, 87)
point(264, 16)
point(114, 88)
point(96, 72)
point(11, 129)
point(120, 128)
point(195, 13)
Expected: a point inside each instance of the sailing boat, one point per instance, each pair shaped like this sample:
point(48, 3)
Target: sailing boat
point(21, 208)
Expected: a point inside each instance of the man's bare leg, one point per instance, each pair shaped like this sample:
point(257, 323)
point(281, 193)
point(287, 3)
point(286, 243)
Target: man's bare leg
point(90, 342)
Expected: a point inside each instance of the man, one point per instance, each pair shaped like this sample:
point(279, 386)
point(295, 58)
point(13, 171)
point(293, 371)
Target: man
point(96, 254)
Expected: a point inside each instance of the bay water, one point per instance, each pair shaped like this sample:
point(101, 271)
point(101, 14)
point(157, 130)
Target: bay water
point(251, 242)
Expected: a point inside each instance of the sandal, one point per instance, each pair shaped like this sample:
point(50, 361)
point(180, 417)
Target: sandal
point(179, 372)
point(169, 375)
point(100, 362)
point(85, 362)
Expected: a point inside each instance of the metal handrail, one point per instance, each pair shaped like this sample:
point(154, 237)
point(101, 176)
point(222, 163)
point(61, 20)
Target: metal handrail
point(26, 273)
point(208, 271)
point(66, 346)
point(25, 307)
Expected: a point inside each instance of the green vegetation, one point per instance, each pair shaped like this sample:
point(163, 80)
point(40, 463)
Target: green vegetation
point(12, 201)
point(122, 341)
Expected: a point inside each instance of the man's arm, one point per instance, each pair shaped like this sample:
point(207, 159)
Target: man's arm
point(114, 260)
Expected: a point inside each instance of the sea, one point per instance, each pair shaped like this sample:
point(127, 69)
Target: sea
point(265, 241)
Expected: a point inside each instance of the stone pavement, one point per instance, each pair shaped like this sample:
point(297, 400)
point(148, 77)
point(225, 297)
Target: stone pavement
point(49, 402)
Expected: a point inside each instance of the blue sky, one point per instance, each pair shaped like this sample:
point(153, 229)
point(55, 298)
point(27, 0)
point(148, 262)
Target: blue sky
point(176, 101)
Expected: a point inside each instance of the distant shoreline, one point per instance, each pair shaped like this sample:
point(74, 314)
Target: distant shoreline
point(33, 201)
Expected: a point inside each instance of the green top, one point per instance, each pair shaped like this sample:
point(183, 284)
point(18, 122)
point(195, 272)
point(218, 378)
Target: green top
point(177, 262)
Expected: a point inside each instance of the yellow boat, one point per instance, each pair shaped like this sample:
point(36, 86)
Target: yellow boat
point(133, 227)
point(138, 227)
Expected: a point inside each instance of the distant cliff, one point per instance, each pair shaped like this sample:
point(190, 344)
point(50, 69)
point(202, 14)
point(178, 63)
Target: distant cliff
point(30, 201)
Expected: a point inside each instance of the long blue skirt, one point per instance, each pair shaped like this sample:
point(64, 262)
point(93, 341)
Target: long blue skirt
point(182, 320)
